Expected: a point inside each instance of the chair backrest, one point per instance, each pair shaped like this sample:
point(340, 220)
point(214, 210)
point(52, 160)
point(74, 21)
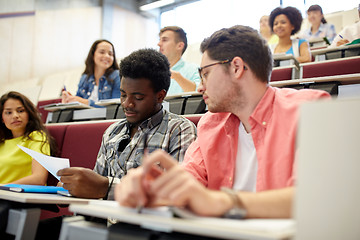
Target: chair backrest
point(332, 67)
point(280, 74)
point(194, 118)
point(41, 110)
point(82, 143)
point(58, 133)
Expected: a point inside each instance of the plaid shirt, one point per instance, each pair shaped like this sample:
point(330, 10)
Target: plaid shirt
point(166, 131)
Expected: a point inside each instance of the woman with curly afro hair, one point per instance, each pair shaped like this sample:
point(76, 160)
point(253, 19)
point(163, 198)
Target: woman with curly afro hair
point(285, 22)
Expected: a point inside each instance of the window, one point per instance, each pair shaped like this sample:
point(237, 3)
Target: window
point(200, 19)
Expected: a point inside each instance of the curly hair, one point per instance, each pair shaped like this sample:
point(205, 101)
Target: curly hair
point(90, 63)
point(244, 42)
point(150, 64)
point(293, 14)
point(34, 122)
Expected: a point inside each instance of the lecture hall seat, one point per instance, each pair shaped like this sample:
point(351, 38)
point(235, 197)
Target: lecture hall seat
point(332, 67)
point(280, 74)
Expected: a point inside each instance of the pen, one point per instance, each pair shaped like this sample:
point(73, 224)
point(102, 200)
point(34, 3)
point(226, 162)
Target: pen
point(341, 36)
point(64, 88)
point(140, 206)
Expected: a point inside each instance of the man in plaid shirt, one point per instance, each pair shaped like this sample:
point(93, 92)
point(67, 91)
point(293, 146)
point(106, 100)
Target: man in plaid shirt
point(144, 84)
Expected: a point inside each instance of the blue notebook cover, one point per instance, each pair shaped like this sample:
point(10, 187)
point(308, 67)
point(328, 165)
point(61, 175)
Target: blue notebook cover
point(31, 188)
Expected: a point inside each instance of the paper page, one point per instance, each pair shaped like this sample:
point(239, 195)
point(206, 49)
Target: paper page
point(163, 211)
point(52, 164)
point(106, 102)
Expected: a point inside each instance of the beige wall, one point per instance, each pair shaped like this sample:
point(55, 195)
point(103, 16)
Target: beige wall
point(48, 42)
point(54, 41)
point(131, 31)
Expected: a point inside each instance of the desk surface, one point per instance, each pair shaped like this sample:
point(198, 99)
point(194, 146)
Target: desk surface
point(40, 198)
point(344, 79)
point(333, 49)
point(212, 227)
point(282, 56)
point(184, 94)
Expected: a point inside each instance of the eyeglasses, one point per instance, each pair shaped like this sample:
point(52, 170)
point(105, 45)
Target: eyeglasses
point(202, 68)
point(202, 77)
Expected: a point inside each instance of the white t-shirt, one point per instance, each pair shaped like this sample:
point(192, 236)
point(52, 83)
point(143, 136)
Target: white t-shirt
point(246, 163)
point(95, 94)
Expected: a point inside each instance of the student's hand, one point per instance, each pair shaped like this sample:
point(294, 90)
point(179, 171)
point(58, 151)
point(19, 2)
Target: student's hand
point(175, 75)
point(186, 84)
point(175, 186)
point(83, 182)
point(130, 192)
point(342, 42)
point(66, 97)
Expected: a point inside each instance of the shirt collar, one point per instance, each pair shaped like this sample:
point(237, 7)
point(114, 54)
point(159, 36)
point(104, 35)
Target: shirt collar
point(321, 29)
point(151, 122)
point(264, 109)
point(178, 64)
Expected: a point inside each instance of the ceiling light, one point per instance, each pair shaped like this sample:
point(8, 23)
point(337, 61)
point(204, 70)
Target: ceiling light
point(156, 4)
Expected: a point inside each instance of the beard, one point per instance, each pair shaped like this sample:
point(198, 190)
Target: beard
point(226, 102)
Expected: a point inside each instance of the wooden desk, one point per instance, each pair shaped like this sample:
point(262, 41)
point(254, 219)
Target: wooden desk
point(23, 222)
point(210, 227)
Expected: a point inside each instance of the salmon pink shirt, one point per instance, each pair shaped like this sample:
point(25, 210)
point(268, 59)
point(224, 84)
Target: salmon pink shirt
point(212, 157)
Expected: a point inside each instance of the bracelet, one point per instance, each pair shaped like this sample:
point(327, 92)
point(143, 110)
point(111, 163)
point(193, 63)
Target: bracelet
point(108, 190)
point(237, 211)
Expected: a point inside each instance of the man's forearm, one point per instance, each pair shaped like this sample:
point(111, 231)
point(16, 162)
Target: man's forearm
point(268, 204)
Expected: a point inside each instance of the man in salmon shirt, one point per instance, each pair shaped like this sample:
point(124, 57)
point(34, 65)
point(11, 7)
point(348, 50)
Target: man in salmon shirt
point(242, 163)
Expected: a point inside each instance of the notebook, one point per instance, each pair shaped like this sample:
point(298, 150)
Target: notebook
point(32, 188)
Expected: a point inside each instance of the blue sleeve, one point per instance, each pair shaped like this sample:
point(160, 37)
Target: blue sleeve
point(81, 85)
point(92, 104)
point(116, 88)
point(332, 33)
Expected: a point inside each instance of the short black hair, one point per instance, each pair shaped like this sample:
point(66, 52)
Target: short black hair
point(180, 35)
point(150, 64)
point(293, 14)
point(244, 42)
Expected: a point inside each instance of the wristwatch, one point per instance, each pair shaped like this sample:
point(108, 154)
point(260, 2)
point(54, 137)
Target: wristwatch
point(237, 211)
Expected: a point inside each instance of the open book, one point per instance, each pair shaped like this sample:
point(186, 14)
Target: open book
point(61, 106)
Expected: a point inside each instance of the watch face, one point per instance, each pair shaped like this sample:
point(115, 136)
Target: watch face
point(235, 213)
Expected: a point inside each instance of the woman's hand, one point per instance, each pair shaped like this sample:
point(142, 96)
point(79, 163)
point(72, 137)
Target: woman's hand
point(342, 42)
point(67, 97)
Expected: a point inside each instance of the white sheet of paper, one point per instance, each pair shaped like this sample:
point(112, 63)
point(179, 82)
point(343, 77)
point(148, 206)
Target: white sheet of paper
point(52, 164)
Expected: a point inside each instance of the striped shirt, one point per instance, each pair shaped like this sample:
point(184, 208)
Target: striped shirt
point(118, 153)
